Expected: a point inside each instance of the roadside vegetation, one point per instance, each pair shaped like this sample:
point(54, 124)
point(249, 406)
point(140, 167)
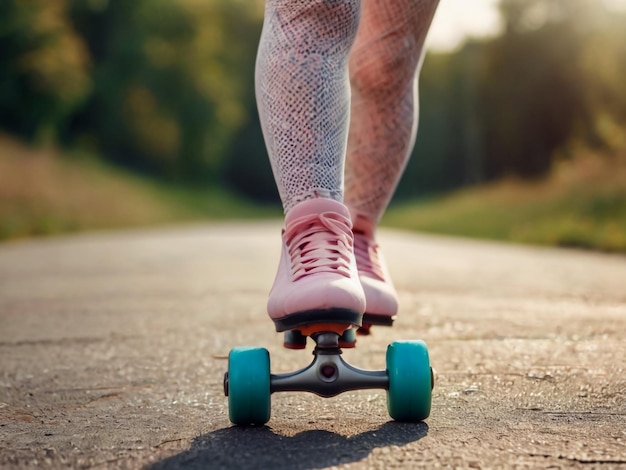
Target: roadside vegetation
point(582, 204)
point(43, 192)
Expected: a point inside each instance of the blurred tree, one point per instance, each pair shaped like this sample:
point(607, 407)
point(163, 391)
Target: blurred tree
point(603, 61)
point(169, 91)
point(531, 87)
point(44, 68)
point(512, 104)
point(166, 87)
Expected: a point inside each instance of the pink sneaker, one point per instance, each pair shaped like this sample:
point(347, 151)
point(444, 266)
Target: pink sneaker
point(381, 297)
point(317, 280)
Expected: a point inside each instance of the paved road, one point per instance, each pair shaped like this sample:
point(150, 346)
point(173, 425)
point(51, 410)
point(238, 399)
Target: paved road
point(112, 350)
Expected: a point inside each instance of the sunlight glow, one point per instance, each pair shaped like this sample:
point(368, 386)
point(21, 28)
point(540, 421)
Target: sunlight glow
point(456, 20)
point(619, 5)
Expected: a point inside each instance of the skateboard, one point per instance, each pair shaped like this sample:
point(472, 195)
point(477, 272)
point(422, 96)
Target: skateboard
point(408, 378)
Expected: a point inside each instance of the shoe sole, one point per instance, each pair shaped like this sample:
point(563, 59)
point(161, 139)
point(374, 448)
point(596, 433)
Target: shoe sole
point(314, 321)
point(376, 319)
point(372, 319)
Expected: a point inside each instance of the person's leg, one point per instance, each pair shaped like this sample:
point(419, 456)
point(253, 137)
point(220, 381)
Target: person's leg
point(384, 68)
point(303, 96)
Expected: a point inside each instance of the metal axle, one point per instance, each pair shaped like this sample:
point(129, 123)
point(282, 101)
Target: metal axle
point(328, 375)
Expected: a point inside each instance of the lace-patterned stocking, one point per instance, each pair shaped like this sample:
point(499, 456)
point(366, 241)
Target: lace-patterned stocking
point(303, 94)
point(384, 67)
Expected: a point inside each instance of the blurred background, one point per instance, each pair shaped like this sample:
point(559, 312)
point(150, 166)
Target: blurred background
point(116, 113)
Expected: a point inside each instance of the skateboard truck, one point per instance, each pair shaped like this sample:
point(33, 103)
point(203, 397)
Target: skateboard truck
point(408, 379)
point(328, 375)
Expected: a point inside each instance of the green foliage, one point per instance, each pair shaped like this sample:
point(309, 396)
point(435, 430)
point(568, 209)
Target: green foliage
point(166, 87)
point(170, 80)
point(581, 204)
point(514, 104)
point(44, 68)
point(45, 193)
point(533, 103)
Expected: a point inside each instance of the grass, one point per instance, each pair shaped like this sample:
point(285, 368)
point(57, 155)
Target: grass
point(42, 193)
point(581, 204)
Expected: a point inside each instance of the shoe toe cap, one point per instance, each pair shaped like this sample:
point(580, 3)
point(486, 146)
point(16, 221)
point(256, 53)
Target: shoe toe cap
point(381, 297)
point(321, 293)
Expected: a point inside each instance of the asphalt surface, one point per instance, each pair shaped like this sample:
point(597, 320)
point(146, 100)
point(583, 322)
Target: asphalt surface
point(113, 347)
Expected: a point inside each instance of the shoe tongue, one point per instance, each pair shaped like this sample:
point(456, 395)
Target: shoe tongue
point(314, 207)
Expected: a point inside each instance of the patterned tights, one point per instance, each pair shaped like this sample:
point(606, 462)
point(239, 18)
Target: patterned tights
point(336, 86)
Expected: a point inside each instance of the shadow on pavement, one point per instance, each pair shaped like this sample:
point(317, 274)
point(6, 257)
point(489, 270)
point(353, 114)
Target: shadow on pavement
point(240, 448)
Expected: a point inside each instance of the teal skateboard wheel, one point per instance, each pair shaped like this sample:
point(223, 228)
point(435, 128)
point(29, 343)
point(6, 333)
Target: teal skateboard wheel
point(410, 382)
point(249, 386)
